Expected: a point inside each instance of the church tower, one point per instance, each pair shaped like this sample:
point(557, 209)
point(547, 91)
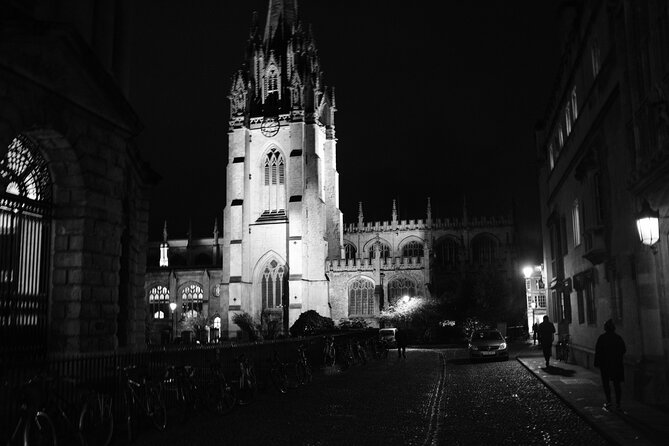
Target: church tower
point(282, 218)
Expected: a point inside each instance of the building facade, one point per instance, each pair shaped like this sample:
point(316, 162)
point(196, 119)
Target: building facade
point(602, 148)
point(74, 192)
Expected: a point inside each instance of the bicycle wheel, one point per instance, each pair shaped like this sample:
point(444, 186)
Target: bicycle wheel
point(96, 420)
point(155, 407)
point(39, 431)
point(279, 378)
point(129, 417)
point(223, 398)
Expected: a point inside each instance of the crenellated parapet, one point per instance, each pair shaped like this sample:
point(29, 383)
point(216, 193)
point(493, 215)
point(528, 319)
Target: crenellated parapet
point(366, 264)
point(439, 223)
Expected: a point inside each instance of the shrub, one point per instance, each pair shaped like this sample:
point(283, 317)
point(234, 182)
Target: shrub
point(356, 323)
point(247, 324)
point(309, 323)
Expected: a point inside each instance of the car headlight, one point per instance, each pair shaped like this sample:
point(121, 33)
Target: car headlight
point(502, 346)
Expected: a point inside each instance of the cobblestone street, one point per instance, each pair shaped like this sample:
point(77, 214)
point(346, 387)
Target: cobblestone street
point(432, 397)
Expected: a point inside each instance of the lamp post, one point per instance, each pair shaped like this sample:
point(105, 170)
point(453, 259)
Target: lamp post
point(173, 307)
point(527, 272)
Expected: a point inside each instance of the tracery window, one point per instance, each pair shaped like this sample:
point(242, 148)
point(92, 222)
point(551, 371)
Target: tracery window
point(159, 301)
point(272, 79)
point(484, 250)
point(446, 252)
point(576, 222)
point(361, 298)
point(272, 285)
point(25, 206)
point(274, 179)
point(400, 287)
point(350, 251)
point(191, 300)
point(383, 249)
point(412, 249)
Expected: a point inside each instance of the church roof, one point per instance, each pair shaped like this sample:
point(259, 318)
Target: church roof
point(281, 14)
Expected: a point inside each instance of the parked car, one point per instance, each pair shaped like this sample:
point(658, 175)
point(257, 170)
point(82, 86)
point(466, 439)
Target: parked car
point(388, 335)
point(488, 344)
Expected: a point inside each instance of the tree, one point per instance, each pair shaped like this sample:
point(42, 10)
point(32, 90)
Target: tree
point(420, 313)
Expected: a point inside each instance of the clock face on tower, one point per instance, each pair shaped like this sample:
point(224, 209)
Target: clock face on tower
point(269, 126)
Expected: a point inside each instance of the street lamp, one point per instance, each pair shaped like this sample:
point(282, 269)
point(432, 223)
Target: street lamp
point(648, 224)
point(527, 271)
point(173, 307)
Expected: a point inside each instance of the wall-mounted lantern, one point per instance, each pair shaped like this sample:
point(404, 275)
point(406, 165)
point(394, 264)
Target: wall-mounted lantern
point(648, 224)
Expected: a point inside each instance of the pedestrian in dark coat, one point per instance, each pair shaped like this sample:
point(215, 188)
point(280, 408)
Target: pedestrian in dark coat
point(609, 352)
point(546, 331)
point(401, 341)
point(535, 327)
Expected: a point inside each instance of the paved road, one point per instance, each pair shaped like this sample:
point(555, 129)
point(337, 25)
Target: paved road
point(431, 398)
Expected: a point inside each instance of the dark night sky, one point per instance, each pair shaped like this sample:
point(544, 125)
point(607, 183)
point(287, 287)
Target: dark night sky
point(431, 102)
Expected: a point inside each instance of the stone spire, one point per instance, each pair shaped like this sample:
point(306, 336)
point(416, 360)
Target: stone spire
point(394, 211)
point(360, 216)
point(165, 232)
point(429, 212)
point(281, 17)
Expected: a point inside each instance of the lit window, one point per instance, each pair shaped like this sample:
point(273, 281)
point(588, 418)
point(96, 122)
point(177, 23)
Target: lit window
point(159, 299)
point(574, 104)
point(272, 285)
point(192, 298)
point(576, 222)
point(560, 136)
point(595, 57)
point(361, 298)
point(551, 156)
point(541, 301)
point(217, 323)
point(567, 118)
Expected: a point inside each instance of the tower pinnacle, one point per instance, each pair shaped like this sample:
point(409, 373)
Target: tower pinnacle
point(281, 15)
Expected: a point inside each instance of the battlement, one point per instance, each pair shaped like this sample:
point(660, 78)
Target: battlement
point(366, 264)
point(438, 223)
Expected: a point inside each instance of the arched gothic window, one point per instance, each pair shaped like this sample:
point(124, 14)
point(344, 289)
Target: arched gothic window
point(25, 207)
point(412, 249)
point(159, 301)
point(484, 250)
point(400, 287)
point(272, 285)
point(272, 79)
point(383, 248)
point(191, 300)
point(361, 298)
point(350, 251)
point(274, 181)
point(446, 252)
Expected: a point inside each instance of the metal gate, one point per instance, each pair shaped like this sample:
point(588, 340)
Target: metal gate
point(25, 198)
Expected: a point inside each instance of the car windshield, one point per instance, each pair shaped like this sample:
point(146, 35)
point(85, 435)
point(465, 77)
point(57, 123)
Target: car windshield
point(386, 332)
point(487, 336)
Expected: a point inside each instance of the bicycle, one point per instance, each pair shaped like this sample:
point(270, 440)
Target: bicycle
point(329, 352)
point(562, 349)
point(217, 391)
point(278, 373)
point(141, 396)
point(347, 359)
point(177, 383)
point(247, 384)
point(47, 417)
point(380, 349)
point(359, 353)
point(302, 367)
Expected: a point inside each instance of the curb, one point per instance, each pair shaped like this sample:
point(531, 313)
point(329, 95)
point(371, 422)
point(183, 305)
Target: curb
point(607, 436)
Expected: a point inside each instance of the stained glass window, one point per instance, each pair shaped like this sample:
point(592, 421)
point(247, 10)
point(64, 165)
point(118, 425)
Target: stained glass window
point(412, 249)
point(400, 287)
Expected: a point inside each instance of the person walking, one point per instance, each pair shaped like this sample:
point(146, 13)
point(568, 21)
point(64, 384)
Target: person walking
point(535, 327)
point(401, 341)
point(609, 352)
point(546, 331)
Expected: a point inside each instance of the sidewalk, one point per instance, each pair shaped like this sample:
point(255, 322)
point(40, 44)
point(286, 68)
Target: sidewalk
point(580, 388)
